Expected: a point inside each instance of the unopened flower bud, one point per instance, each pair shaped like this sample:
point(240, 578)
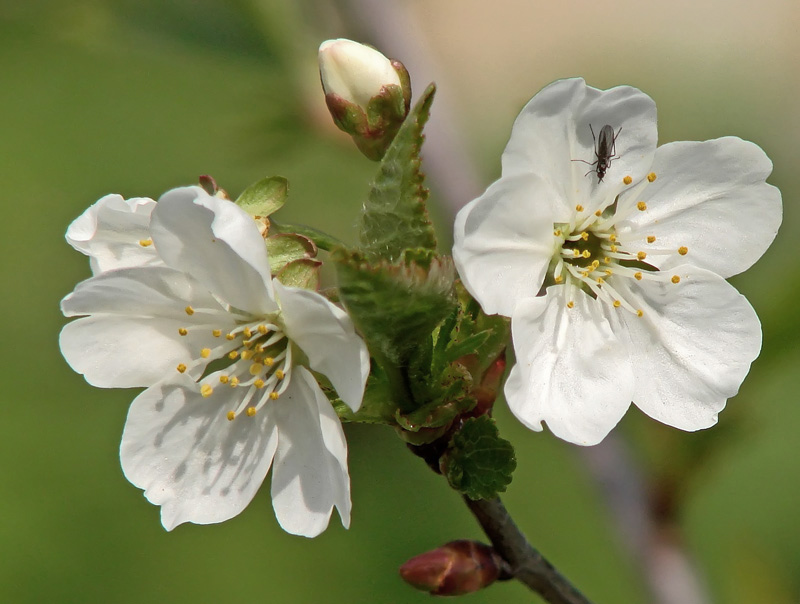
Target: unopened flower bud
point(456, 568)
point(367, 94)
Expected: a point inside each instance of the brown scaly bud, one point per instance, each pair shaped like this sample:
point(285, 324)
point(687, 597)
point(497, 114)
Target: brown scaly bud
point(454, 569)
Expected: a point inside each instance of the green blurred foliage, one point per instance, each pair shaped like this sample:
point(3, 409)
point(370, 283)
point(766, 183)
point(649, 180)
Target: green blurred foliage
point(136, 97)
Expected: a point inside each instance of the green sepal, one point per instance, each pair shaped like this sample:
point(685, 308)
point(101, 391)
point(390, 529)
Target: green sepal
point(283, 248)
point(478, 463)
point(303, 273)
point(395, 217)
point(264, 197)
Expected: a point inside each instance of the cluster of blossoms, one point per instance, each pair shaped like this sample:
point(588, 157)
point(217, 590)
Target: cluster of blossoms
point(616, 286)
point(184, 283)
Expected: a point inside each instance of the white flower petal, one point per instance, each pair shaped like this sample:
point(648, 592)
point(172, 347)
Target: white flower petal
point(217, 243)
point(310, 472)
point(152, 292)
point(571, 371)
point(115, 352)
point(131, 338)
point(111, 232)
point(692, 347)
point(712, 198)
point(504, 241)
point(326, 335)
point(553, 129)
point(181, 449)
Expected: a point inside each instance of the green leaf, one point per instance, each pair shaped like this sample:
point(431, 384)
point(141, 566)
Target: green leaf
point(283, 248)
point(395, 216)
point(479, 463)
point(264, 197)
point(302, 273)
point(396, 306)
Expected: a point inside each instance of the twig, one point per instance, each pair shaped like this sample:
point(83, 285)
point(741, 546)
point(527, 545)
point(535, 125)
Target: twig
point(527, 564)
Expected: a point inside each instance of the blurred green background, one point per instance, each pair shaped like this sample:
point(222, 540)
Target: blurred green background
point(138, 96)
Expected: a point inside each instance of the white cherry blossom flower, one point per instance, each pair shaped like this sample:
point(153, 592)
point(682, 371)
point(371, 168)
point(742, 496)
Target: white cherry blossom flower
point(202, 437)
point(616, 286)
point(114, 233)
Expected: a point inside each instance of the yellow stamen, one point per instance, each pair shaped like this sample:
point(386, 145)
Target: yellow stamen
point(641, 255)
point(256, 368)
point(579, 208)
point(247, 332)
point(216, 332)
point(262, 329)
point(233, 354)
point(181, 368)
point(586, 254)
point(273, 396)
point(651, 239)
point(557, 233)
point(639, 313)
point(247, 354)
point(683, 250)
point(189, 310)
point(251, 411)
point(231, 416)
point(598, 213)
point(145, 242)
point(183, 331)
point(570, 304)
point(612, 238)
point(206, 390)
point(223, 379)
point(617, 303)
point(205, 353)
point(637, 276)
point(641, 206)
point(584, 235)
point(676, 279)
point(280, 374)
point(258, 383)
point(651, 177)
point(627, 180)
point(607, 260)
point(558, 279)
point(230, 336)
point(234, 381)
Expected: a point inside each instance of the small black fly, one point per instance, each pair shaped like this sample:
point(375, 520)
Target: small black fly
point(605, 147)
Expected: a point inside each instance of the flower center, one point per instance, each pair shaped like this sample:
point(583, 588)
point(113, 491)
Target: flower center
point(257, 356)
point(589, 255)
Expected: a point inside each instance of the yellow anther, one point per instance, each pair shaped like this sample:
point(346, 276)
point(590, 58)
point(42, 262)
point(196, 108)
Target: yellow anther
point(206, 390)
point(627, 180)
point(251, 411)
point(247, 332)
point(598, 213)
point(651, 177)
point(558, 279)
point(557, 233)
point(230, 336)
point(641, 255)
point(234, 381)
point(683, 250)
point(584, 273)
point(233, 354)
point(570, 304)
point(614, 248)
point(223, 379)
point(586, 254)
point(607, 260)
point(189, 310)
point(595, 264)
point(273, 396)
point(183, 331)
point(247, 354)
point(262, 329)
point(258, 383)
point(608, 271)
point(641, 206)
point(181, 368)
point(617, 303)
point(258, 348)
point(585, 236)
point(205, 353)
point(637, 276)
point(280, 374)
point(579, 208)
point(256, 368)
point(145, 242)
point(216, 332)
point(639, 313)
point(651, 239)
point(600, 280)
point(576, 253)
point(612, 238)
point(676, 279)
point(269, 361)
point(231, 416)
